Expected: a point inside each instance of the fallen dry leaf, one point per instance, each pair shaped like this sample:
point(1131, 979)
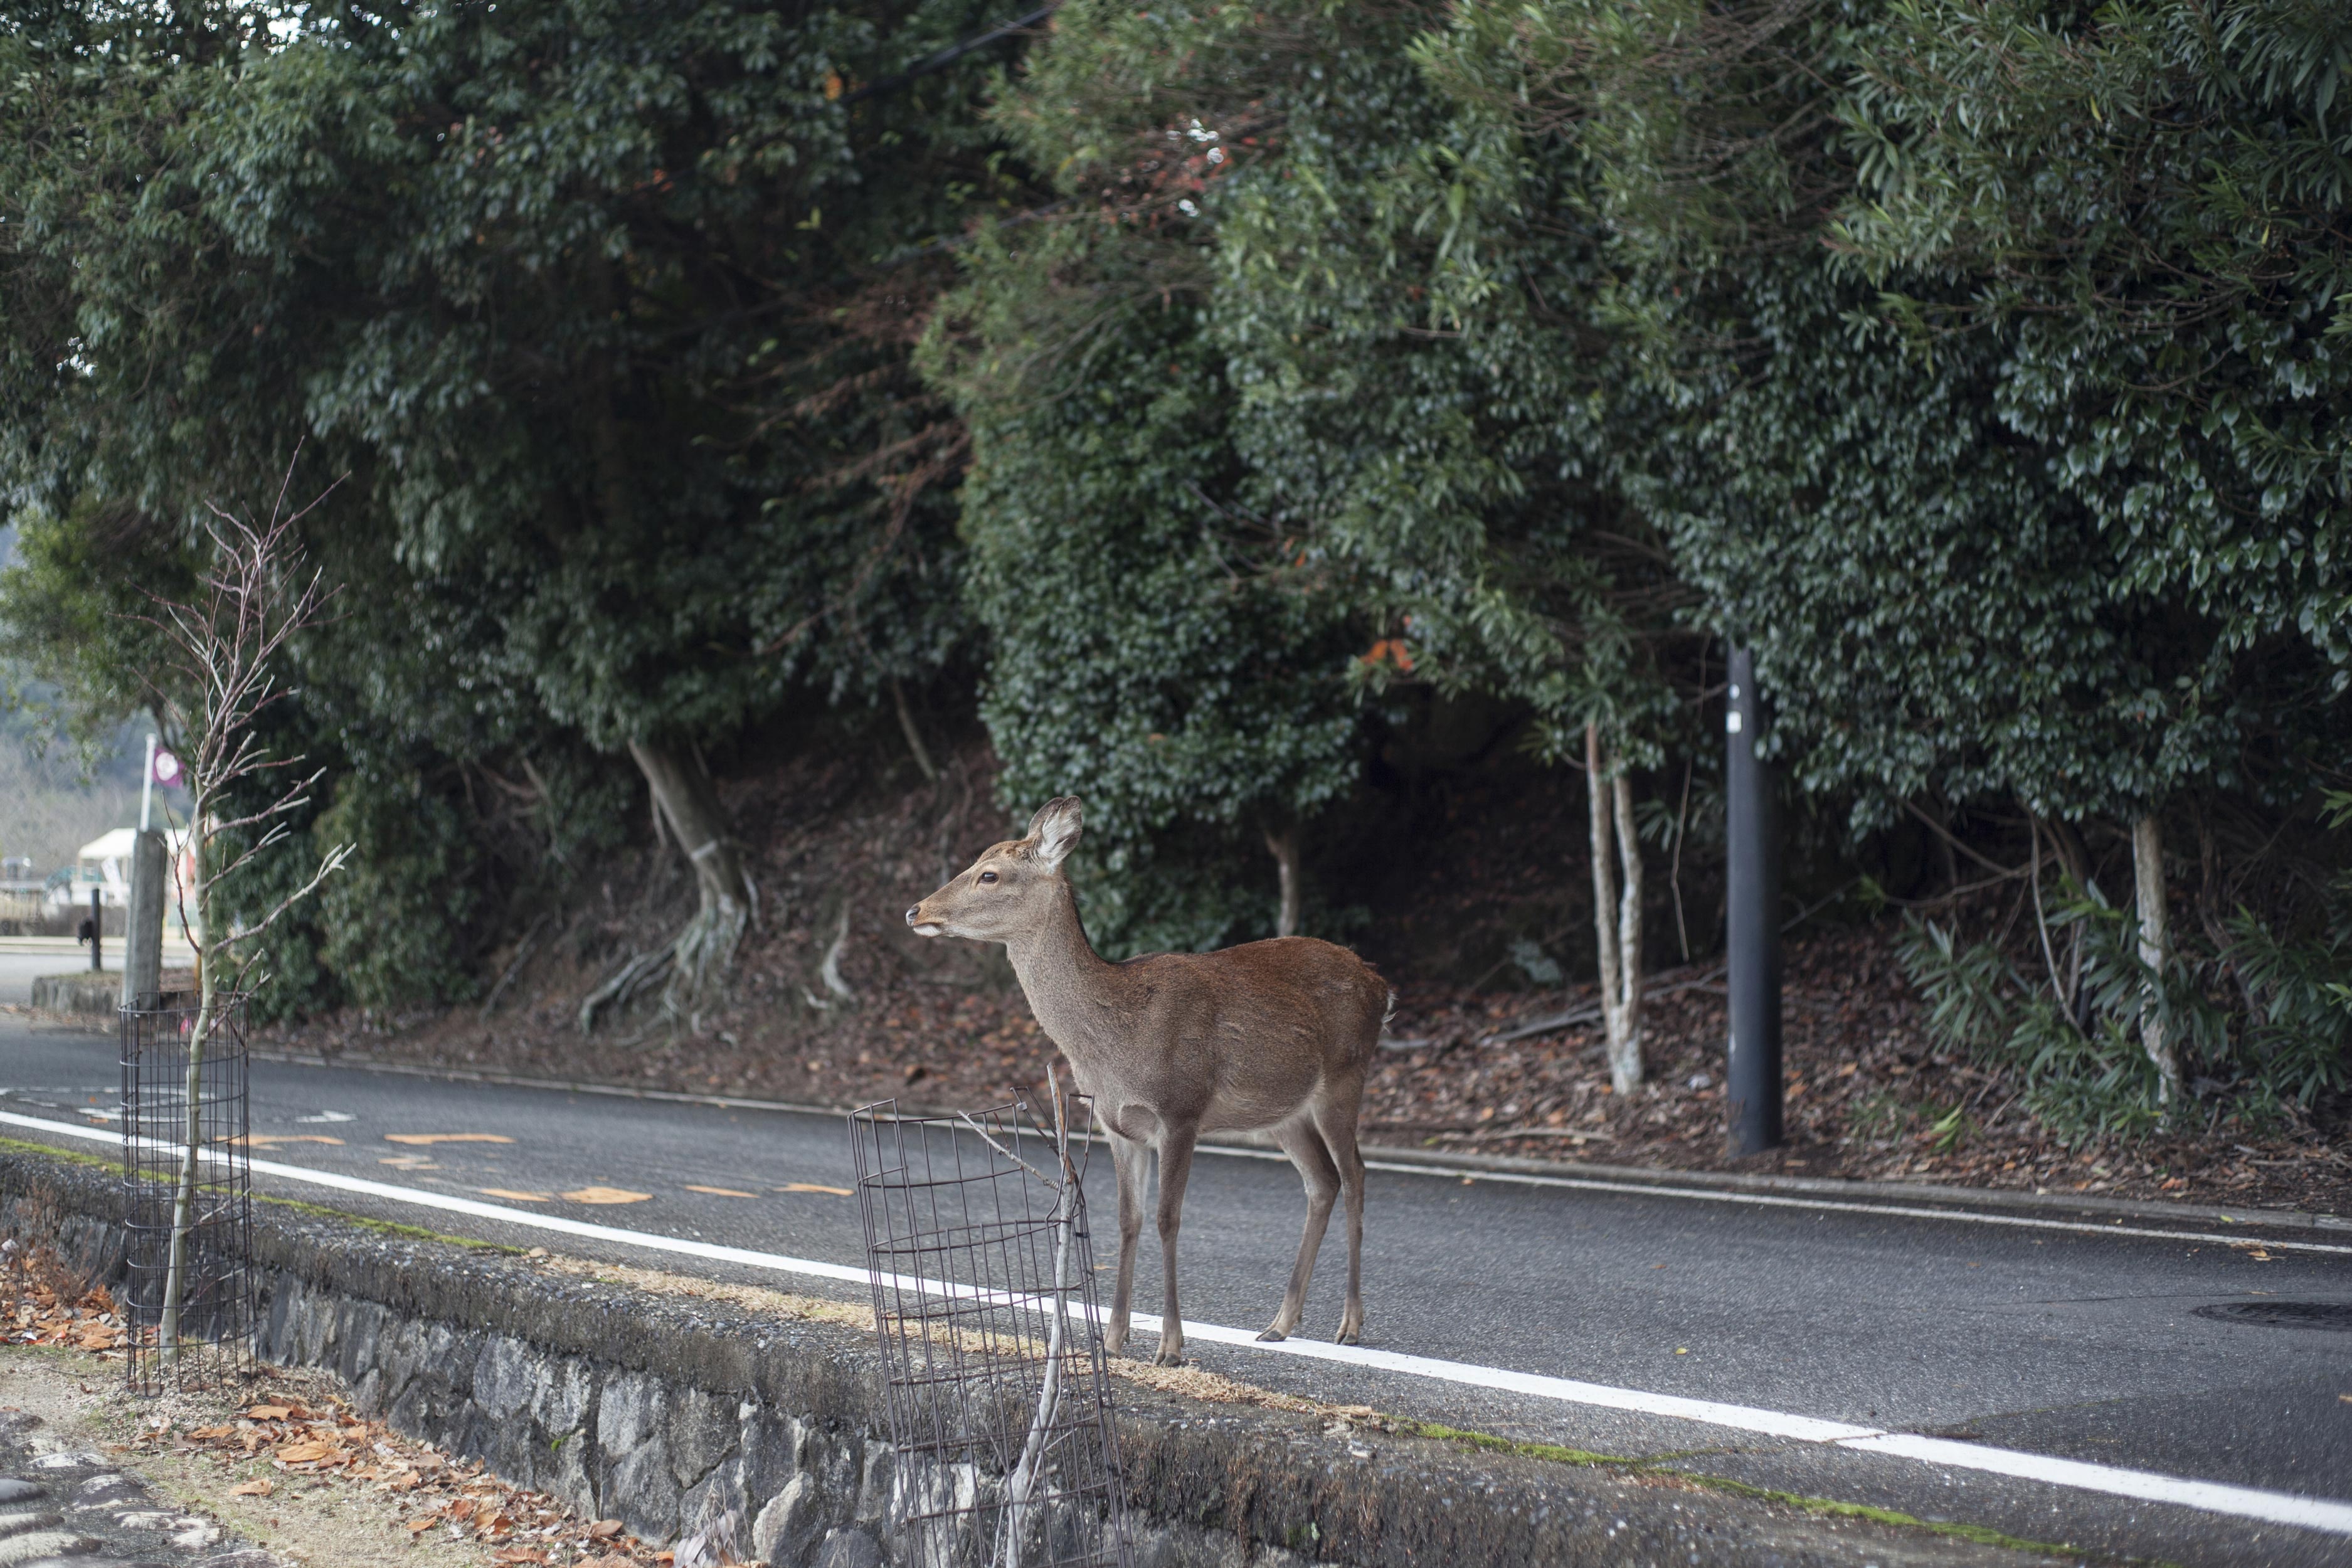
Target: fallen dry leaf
point(306, 1453)
point(323, 1443)
point(605, 1529)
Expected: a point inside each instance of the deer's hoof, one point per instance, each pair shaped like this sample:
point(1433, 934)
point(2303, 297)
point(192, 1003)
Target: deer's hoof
point(1272, 1337)
point(1170, 1357)
point(1348, 1335)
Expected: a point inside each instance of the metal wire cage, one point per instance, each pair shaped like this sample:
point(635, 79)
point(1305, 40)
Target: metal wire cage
point(169, 1102)
point(999, 1399)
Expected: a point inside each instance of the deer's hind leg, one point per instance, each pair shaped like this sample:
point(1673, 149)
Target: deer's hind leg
point(1305, 1146)
point(1335, 1113)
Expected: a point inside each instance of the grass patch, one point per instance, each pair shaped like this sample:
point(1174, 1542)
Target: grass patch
point(70, 1156)
point(389, 1226)
point(1656, 1464)
point(1494, 1445)
point(1832, 1508)
point(315, 1211)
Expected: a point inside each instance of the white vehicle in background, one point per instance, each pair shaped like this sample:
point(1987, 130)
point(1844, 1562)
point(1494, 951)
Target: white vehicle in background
point(104, 865)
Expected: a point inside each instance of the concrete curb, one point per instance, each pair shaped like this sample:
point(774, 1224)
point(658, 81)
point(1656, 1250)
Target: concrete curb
point(1925, 1193)
point(92, 998)
point(1883, 1192)
point(665, 1410)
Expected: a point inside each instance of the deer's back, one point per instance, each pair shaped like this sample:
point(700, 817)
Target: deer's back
point(1296, 998)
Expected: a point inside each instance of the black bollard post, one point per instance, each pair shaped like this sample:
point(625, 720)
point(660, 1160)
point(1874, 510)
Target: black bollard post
point(1752, 1092)
point(97, 931)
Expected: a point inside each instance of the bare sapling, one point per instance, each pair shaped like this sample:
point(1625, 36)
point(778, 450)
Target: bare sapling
point(1273, 1036)
point(224, 670)
point(1022, 1484)
point(1616, 914)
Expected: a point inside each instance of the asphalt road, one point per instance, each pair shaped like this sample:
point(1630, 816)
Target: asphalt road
point(2061, 1342)
point(21, 962)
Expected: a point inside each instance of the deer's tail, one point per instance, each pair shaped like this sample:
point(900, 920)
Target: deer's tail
point(1377, 987)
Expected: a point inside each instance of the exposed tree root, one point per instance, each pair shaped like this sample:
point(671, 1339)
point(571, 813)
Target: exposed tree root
point(628, 982)
point(704, 953)
point(690, 968)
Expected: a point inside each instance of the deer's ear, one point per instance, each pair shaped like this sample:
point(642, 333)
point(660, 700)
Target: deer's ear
point(1054, 831)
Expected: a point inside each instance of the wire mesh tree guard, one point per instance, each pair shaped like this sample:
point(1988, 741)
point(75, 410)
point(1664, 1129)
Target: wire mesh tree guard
point(187, 1170)
point(999, 1399)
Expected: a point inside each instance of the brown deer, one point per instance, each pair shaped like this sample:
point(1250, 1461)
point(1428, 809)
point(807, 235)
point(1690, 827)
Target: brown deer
point(1273, 1036)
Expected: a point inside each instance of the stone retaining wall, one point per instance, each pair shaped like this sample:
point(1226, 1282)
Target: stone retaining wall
point(664, 1411)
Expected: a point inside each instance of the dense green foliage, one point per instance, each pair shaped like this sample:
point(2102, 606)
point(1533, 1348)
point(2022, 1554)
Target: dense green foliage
point(1977, 556)
point(601, 308)
point(1156, 651)
point(1983, 365)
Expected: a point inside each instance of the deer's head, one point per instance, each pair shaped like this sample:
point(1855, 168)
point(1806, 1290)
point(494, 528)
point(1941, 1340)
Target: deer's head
point(1014, 886)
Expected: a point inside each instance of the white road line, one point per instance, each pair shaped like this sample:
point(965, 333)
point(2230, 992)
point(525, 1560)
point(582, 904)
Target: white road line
point(451, 1204)
point(2211, 1497)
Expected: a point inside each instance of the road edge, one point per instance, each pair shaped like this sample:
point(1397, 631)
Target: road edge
point(1459, 1160)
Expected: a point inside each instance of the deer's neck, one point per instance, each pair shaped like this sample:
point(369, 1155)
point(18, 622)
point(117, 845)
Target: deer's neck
point(1073, 991)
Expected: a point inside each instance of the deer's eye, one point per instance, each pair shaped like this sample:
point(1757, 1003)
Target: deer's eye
point(988, 875)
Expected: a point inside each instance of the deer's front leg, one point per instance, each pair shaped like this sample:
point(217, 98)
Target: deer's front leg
point(1175, 1170)
point(1128, 1158)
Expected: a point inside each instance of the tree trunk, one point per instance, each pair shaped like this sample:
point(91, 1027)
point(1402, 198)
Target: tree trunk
point(2147, 877)
point(2209, 909)
point(2071, 854)
point(1285, 848)
point(1616, 913)
point(914, 736)
point(682, 788)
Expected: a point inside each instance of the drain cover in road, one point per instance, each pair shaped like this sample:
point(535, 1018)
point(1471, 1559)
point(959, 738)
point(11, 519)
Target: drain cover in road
point(2335, 1315)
